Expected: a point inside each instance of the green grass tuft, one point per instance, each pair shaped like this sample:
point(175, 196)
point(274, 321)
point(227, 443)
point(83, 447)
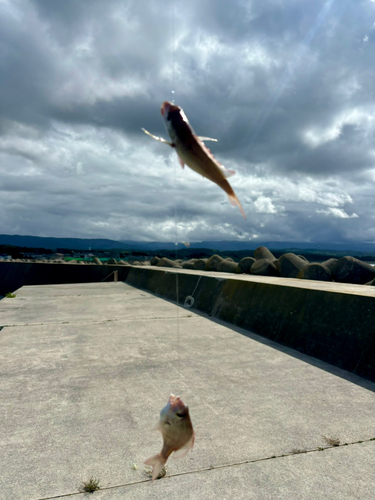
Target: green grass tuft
point(90, 486)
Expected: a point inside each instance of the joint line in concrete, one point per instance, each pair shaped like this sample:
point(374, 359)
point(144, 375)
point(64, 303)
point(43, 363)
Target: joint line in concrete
point(215, 467)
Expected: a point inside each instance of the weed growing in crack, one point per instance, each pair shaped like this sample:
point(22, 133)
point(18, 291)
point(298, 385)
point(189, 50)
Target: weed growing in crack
point(148, 472)
point(90, 486)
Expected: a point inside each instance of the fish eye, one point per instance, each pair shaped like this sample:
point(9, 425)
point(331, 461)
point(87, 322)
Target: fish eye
point(181, 415)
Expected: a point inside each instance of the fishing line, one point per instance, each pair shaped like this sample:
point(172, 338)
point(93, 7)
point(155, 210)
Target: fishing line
point(173, 50)
point(175, 181)
point(176, 248)
point(189, 300)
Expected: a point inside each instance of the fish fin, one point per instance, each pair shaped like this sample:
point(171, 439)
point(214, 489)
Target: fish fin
point(234, 201)
point(181, 162)
point(206, 138)
point(227, 173)
point(157, 462)
point(180, 453)
point(209, 152)
point(183, 451)
point(160, 139)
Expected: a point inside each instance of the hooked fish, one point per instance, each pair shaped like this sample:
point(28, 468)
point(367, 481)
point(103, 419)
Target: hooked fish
point(192, 151)
point(177, 431)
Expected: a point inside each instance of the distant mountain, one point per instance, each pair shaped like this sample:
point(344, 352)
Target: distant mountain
point(53, 243)
point(105, 244)
point(293, 245)
point(252, 245)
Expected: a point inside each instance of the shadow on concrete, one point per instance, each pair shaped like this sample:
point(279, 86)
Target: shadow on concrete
point(339, 372)
point(350, 377)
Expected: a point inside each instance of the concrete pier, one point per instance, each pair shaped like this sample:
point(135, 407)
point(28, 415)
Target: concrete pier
point(86, 369)
point(334, 322)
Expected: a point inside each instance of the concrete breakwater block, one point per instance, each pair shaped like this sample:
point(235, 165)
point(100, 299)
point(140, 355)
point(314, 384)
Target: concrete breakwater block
point(165, 262)
point(264, 267)
point(212, 262)
point(261, 253)
point(154, 260)
point(227, 266)
point(200, 264)
point(189, 264)
point(329, 263)
point(302, 257)
point(289, 265)
point(244, 265)
point(352, 270)
point(314, 271)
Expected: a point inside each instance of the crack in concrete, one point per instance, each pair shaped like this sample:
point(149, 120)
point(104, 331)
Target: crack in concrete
point(215, 467)
point(94, 322)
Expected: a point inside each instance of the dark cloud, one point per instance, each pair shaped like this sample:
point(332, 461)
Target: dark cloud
point(286, 87)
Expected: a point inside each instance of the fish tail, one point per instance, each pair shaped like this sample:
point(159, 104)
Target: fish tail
point(157, 462)
point(233, 200)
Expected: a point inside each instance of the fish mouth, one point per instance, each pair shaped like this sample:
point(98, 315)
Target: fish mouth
point(165, 108)
point(176, 402)
point(168, 107)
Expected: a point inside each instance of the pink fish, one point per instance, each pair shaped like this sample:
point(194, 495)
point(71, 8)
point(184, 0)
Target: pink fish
point(192, 151)
point(177, 431)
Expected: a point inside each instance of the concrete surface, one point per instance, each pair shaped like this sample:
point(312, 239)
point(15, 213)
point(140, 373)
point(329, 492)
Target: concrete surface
point(86, 369)
point(333, 322)
point(330, 321)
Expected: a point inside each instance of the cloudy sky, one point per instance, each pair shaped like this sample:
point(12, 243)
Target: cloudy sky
point(286, 86)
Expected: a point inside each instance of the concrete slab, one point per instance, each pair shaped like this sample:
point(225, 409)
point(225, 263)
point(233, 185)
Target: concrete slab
point(340, 473)
point(83, 302)
point(80, 395)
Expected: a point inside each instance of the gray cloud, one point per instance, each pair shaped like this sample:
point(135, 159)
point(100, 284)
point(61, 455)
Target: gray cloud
point(286, 88)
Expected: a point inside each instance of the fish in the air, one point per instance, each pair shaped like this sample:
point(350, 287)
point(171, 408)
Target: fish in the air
point(192, 151)
point(177, 431)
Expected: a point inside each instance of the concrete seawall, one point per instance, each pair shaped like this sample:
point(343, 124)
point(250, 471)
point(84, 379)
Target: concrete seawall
point(13, 275)
point(333, 322)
